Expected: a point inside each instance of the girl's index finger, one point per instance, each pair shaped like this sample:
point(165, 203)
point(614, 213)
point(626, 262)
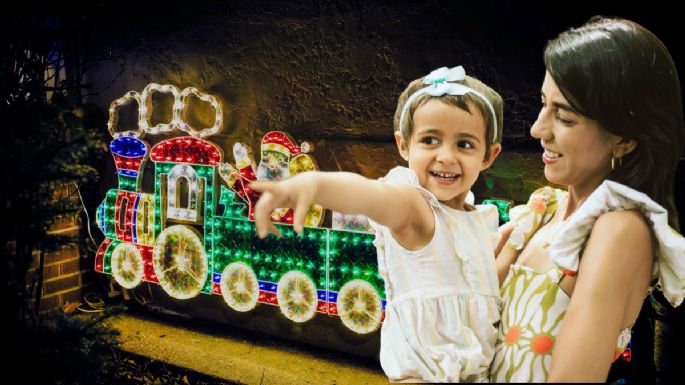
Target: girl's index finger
point(258, 185)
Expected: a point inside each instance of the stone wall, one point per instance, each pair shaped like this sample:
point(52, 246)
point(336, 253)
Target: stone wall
point(326, 72)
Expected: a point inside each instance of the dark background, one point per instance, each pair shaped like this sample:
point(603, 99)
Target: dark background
point(330, 72)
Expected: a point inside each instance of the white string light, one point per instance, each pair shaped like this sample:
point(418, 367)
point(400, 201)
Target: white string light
point(113, 121)
point(146, 109)
point(180, 109)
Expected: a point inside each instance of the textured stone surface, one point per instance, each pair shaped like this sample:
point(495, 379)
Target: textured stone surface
point(327, 72)
point(515, 175)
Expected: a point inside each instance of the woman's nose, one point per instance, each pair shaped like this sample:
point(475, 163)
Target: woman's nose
point(542, 128)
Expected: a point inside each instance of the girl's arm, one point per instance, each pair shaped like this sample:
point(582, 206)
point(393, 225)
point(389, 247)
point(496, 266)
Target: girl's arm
point(399, 207)
point(612, 282)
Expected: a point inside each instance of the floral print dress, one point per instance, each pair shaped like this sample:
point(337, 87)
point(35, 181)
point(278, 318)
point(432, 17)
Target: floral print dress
point(534, 305)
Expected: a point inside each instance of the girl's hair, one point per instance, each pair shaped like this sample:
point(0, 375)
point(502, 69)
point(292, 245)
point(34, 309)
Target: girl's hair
point(461, 101)
point(620, 74)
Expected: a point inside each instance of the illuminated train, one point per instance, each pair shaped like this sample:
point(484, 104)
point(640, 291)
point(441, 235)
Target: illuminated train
point(194, 234)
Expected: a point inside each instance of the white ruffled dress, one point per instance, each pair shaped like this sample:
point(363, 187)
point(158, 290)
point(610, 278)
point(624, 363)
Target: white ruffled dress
point(443, 303)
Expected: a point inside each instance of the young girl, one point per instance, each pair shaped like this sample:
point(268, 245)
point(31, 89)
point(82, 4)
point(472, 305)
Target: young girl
point(579, 263)
point(435, 251)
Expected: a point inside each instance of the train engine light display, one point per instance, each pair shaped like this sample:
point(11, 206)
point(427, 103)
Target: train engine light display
point(196, 235)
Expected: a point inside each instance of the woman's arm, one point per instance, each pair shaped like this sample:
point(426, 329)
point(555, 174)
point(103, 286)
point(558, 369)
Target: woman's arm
point(612, 282)
point(505, 255)
point(399, 207)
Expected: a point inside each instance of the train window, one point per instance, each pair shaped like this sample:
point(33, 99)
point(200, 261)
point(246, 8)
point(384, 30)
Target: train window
point(146, 211)
point(182, 185)
point(122, 214)
point(183, 192)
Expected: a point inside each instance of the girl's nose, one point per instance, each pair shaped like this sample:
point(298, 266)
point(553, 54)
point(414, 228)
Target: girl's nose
point(447, 154)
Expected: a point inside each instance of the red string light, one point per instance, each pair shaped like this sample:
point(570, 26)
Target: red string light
point(186, 150)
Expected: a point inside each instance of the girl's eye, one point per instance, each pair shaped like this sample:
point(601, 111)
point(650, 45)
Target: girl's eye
point(465, 144)
point(429, 140)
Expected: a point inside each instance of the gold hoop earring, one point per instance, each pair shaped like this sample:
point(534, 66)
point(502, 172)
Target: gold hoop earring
point(613, 162)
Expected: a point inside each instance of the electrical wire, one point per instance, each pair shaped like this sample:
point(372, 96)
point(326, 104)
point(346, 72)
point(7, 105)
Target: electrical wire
point(86, 211)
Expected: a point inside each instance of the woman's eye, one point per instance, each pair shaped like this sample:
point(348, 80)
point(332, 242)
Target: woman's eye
point(563, 121)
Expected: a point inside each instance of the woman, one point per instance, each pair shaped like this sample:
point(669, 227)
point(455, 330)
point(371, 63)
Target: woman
point(576, 265)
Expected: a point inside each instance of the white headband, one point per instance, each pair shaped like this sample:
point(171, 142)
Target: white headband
point(439, 84)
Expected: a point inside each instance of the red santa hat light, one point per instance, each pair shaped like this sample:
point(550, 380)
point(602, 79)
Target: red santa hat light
point(281, 142)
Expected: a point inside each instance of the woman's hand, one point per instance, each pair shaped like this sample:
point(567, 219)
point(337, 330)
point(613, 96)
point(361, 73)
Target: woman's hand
point(505, 256)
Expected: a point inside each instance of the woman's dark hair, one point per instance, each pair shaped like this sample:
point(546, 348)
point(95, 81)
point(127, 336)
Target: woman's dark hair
point(621, 75)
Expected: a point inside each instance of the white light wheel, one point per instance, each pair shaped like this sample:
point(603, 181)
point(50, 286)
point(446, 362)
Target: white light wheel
point(297, 297)
point(179, 261)
point(239, 287)
point(127, 265)
point(359, 306)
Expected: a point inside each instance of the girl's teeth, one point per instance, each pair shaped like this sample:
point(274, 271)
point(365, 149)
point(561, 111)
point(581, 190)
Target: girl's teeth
point(444, 175)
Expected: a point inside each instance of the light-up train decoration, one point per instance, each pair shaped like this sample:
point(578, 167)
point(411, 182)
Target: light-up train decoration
point(196, 235)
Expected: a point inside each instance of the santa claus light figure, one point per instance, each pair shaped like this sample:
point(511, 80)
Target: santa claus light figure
point(280, 159)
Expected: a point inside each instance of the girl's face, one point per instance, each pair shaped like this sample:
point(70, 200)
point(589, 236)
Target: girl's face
point(447, 150)
point(577, 150)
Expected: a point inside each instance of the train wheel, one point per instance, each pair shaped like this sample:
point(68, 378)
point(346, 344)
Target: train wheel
point(127, 265)
point(297, 296)
point(359, 306)
point(179, 261)
point(239, 287)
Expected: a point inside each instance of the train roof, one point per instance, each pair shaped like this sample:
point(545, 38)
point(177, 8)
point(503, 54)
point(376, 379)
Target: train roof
point(128, 147)
point(186, 149)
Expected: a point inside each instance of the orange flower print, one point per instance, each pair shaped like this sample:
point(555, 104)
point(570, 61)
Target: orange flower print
point(538, 205)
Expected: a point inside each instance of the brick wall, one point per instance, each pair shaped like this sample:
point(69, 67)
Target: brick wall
point(66, 274)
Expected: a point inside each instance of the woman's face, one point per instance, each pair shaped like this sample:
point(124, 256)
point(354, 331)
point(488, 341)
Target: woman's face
point(577, 150)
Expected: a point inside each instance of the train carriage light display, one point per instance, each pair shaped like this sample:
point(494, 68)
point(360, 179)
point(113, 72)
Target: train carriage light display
point(503, 207)
point(359, 306)
point(239, 287)
point(297, 296)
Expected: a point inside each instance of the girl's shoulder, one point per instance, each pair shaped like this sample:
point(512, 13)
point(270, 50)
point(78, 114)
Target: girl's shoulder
point(404, 175)
point(400, 174)
point(489, 214)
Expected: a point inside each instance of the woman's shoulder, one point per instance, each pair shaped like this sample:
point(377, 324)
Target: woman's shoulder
point(626, 220)
point(627, 233)
point(610, 214)
point(620, 223)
